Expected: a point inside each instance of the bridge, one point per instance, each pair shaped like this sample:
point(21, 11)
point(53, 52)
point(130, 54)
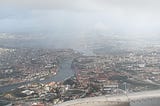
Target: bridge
point(146, 98)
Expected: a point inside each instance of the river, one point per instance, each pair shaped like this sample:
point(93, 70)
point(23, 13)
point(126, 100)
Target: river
point(64, 72)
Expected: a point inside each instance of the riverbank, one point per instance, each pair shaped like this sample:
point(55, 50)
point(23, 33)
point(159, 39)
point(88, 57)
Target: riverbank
point(64, 72)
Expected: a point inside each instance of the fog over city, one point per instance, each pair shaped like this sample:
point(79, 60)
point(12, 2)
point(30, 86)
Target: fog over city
point(79, 52)
point(58, 17)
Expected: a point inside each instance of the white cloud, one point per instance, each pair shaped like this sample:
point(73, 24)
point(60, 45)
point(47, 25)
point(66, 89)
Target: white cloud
point(82, 4)
point(124, 16)
point(49, 4)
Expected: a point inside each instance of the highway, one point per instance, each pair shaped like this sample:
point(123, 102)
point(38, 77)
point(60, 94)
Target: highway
point(146, 98)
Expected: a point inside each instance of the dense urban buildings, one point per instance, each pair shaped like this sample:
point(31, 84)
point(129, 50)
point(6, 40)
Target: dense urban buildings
point(79, 53)
point(31, 71)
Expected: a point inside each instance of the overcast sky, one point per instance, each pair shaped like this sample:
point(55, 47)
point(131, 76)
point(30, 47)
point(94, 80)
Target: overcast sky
point(123, 17)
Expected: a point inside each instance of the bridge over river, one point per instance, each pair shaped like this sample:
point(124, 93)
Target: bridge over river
point(146, 98)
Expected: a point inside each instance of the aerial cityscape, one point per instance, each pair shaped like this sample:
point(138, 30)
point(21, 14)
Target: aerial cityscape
point(79, 53)
point(47, 76)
